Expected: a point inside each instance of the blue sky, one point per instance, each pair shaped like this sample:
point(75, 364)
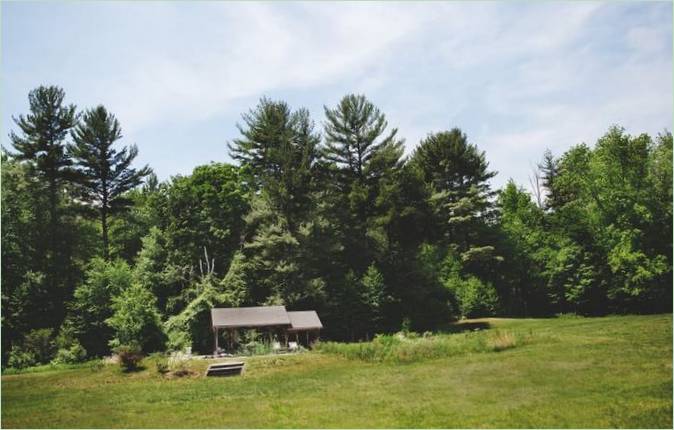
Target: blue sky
point(516, 77)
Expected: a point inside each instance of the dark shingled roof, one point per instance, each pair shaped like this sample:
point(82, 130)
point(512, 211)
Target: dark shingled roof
point(256, 316)
point(304, 320)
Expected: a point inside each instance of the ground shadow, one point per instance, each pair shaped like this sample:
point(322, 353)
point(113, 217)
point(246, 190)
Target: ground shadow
point(460, 327)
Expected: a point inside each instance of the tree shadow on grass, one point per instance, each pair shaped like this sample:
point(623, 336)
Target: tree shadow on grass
point(131, 370)
point(461, 327)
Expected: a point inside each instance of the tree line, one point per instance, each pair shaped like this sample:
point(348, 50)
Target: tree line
point(97, 254)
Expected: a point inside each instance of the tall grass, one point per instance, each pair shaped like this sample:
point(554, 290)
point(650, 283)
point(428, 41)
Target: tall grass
point(399, 348)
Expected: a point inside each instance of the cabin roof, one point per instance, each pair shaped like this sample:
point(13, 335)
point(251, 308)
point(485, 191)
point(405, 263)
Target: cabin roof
point(304, 320)
point(254, 316)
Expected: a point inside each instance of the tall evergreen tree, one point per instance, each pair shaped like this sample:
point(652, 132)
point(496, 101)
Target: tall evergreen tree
point(104, 173)
point(458, 175)
point(549, 168)
point(361, 159)
point(40, 143)
point(44, 130)
point(357, 142)
point(278, 150)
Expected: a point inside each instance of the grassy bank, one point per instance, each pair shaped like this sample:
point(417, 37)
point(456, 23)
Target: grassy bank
point(570, 372)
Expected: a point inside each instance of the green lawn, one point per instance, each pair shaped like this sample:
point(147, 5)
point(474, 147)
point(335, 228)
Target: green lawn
point(570, 372)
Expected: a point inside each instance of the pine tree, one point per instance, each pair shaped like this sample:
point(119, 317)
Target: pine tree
point(278, 150)
point(360, 159)
point(549, 168)
point(104, 173)
point(42, 145)
point(356, 141)
point(44, 130)
point(458, 174)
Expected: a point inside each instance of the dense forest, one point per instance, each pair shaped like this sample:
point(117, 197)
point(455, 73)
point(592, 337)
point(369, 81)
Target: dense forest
point(98, 254)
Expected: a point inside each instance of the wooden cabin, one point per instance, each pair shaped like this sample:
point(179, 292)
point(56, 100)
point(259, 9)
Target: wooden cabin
point(272, 321)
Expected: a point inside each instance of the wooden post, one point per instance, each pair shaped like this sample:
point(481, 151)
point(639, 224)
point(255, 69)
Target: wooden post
point(215, 348)
point(307, 336)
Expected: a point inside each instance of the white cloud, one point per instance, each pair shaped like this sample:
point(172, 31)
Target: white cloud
point(516, 77)
point(264, 48)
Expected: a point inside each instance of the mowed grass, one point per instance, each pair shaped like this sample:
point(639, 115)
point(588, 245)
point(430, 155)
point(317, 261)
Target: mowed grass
point(568, 372)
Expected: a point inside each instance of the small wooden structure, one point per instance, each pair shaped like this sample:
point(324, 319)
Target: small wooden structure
point(225, 369)
point(272, 320)
point(306, 322)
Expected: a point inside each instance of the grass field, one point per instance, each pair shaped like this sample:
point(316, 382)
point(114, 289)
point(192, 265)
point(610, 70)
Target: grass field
point(564, 372)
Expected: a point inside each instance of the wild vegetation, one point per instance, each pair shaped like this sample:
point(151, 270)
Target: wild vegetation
point(98, 254)
point(608, 372)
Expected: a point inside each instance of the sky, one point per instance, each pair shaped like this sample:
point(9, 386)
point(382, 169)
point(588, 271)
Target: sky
point(517, 77)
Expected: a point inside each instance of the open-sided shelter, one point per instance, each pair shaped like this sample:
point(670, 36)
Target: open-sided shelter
point(269, 319)
point(306, 322)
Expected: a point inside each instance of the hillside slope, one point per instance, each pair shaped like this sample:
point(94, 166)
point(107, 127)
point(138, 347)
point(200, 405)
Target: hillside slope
point(571, 372)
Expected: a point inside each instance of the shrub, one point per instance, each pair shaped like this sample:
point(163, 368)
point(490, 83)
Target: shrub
point(136, 320)
point(40, 343)
point(162, 365)
point(70, 350)
point(20, 359)
point(91, 304)
point(256, 348)
point(73, 354)
point(476, 298)
point(130, 356)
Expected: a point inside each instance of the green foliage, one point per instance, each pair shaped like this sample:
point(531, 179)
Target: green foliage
point(135, 320)
point(457, 173)
point(21, 359)
point(356, 140)
point(69, 348)
point(191, 327)
point(204, 209)
point(342, 224)
point(410, 348)
point(40, 343)
point(75, 353)
point(277, 151)
point(475, 298)
point(373, 295)
point(43, 239)
point(93, 303)
point(103, 173)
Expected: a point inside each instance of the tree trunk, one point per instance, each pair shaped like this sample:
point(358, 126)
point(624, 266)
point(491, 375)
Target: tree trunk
point(104, 226)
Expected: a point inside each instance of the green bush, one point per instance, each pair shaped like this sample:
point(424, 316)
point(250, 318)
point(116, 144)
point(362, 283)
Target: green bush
point(71, 355)
point(130, 356)
point(91, 305)
point(41, 344)
point(136, 320)
point(70, 350)
point(476, 298)
point(20, 359)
